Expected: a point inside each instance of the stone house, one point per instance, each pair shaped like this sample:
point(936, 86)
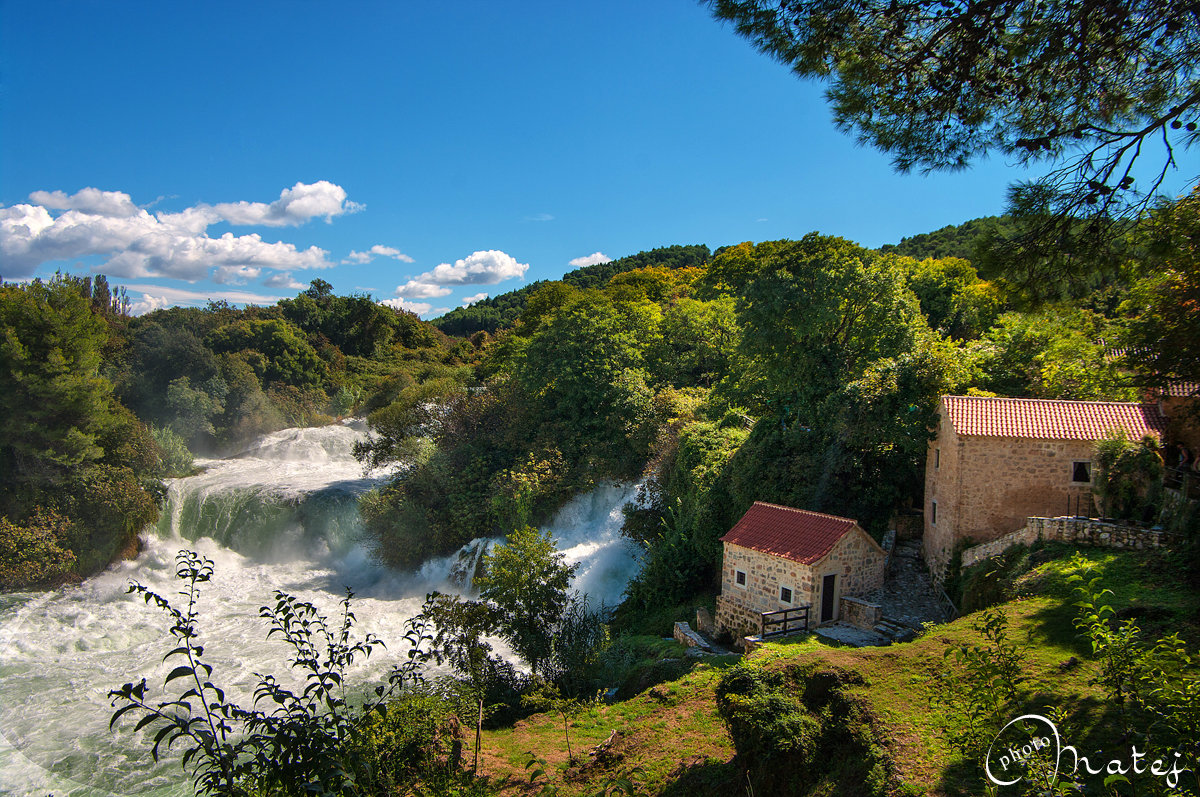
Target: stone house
point(997, 461)
point(777, 557)
point(1176, 403)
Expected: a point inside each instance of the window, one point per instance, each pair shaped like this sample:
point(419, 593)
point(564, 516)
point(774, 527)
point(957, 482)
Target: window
point(933, 513)
point(937, 458)
point(1081, 472)
point(739, 578)
point(785, 595)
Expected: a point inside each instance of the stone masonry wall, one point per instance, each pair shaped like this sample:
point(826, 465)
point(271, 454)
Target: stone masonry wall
point(1089, 531)
point(859, 613)
point(941, 488)
point(739, 607)
point(987, 550)
point(1079, 531)
point(736, 618)
point(858, 562)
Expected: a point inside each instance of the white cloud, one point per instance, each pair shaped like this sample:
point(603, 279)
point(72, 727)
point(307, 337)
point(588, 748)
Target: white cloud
point(420, 308)
point(377, 249)
point(479, 268)
point(162, 295)
point(89, 200)
point(139, 244)
point(284, 279)
point(421, 290)
point(540, 217)
point(387, 251)
point(295, 206)
point(148, 304)
point(161, 254)
point(593, 259)
point(235, 275)
point(469, 300)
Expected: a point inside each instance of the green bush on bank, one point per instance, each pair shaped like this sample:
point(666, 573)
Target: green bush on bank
point(798, 731)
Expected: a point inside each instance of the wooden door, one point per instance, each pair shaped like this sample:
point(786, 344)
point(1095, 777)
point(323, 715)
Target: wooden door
point(828, 595)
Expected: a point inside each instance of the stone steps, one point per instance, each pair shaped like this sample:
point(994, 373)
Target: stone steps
point(896, 630)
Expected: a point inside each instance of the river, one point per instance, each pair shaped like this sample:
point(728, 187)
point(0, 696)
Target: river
point(281, 515)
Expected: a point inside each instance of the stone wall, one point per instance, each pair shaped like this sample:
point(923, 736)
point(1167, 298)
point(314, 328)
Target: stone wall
point(859, 563)
point(909, 525)
point(765, 574)
point(685, 636)
point(888, 544)
point(941, 490)
point(1181, 424)
point(737, 618)
point(1089, 531)
point(987, 550)
point(1078, 531)
point(859, 613)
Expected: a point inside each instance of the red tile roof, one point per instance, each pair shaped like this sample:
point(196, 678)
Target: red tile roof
point(1182, 389)
point(1048, 419)
point(795, 534)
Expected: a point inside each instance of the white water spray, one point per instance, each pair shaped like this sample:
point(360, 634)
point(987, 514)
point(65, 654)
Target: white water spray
point(281, 515)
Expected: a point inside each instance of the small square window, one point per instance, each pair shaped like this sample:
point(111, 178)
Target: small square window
point(933, 513)
point(1081, 472)
point(785, 595)
point(739, 578)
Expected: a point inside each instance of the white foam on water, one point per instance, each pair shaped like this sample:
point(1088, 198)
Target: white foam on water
point(280, 516)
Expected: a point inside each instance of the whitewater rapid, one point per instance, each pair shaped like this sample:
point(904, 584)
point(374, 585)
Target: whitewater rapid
point(281, 515)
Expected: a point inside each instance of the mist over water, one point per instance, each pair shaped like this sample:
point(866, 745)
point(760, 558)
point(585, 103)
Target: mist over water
point(281, 515)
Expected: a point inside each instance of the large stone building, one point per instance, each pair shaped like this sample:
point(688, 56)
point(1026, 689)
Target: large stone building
point(997, 461)
point(777, 557)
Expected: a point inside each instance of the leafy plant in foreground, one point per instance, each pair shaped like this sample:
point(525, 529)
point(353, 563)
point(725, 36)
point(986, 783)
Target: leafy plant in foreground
point(305, 744)
point(1156, 682)
point(983, 687)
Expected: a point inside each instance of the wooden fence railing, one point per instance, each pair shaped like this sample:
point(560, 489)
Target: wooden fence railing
point(784, 621)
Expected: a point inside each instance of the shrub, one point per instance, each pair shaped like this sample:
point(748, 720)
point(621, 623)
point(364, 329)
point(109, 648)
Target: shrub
point(413, 737)
point(175, 459)
point(993, 580)
point(33, 553)
point(796, 731)
point(1130, 476)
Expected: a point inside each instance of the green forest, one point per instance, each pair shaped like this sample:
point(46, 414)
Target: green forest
point(99, 406)
point(801, 372)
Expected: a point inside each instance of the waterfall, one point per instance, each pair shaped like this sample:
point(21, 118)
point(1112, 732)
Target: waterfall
point(280, 515)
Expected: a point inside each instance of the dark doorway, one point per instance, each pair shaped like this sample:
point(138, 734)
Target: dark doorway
point(828, 586)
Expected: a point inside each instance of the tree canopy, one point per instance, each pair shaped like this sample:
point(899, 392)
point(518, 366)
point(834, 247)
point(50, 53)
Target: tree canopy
point(940, 82)
point(1163, 311)
point(1095, 87)
point(528, 579)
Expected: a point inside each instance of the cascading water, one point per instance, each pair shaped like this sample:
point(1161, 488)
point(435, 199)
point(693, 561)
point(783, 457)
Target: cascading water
point(281, 515)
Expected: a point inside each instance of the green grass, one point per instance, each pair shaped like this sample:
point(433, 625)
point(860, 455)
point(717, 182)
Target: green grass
point(672, 734)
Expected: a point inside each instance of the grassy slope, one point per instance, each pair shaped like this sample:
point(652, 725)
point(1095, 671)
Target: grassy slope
point(673, 734)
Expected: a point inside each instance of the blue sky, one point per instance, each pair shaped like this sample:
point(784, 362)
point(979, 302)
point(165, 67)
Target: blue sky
point(426, 153)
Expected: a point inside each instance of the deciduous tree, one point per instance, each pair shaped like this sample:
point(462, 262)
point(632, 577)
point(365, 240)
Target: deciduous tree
point(528, 579)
